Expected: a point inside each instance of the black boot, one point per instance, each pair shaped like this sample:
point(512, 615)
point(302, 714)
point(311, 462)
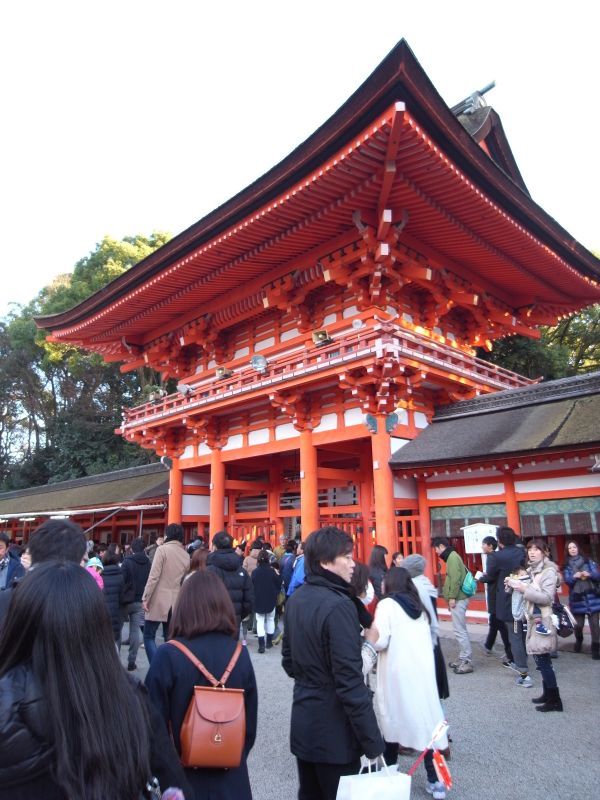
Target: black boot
point(261, 644)
point(553, 701)
point(269, 641)
point(578, 643)
point(543, 697)
point(596, 651)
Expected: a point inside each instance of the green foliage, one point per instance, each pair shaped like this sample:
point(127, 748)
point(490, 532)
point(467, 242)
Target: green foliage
point(60, 405)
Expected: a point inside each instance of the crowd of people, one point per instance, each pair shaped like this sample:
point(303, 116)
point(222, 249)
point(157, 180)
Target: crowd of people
point(361, 642)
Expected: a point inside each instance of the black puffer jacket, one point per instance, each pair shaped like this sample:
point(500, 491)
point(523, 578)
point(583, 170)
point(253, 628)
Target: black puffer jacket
point(135, 569)
point(333, 721)
point(23, 736)
point(267, 585)
point(26, 759)
point(113, 594)
point(237, 581)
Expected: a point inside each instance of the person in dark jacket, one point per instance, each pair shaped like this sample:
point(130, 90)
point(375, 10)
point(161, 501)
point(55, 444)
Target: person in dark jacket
point(333, 722)
point(10, 564)
point(378, 568)
point(267, 585)
point(135, 571)
point(55, 539)
point(497, 626)
point(204, 622)
point(226, 564)
point(48, 748)
point(582, 576)
point(507, 559)
point(114, 584)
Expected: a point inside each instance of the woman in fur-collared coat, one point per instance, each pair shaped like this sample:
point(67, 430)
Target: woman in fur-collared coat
point(541, 631)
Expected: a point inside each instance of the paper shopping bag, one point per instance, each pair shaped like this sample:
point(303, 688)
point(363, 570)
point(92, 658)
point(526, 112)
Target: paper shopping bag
point(384, 785)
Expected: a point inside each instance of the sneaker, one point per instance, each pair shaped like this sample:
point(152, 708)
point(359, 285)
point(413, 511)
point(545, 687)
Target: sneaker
point(454, 664)
point(462, 669)
point(524, 681)
point(131, 667)
point(542, 629)
point(437, 790)
point(487, 650)
point(510, 665)
point(277, 637)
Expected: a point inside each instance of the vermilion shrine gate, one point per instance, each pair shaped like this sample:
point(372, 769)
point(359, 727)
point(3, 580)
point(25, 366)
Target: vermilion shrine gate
point(315, 321)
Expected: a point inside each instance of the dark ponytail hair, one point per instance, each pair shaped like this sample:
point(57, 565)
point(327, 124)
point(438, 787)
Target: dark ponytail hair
point(58, 621)
point(399, 581)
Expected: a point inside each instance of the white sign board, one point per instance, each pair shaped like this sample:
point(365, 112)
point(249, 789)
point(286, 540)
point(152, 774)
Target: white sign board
point(475, 534)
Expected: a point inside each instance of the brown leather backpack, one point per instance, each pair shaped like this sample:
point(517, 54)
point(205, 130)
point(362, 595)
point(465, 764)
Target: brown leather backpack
point(213, 731)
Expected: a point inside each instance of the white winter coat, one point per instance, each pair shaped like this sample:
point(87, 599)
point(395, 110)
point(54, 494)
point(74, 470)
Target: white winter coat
point(406, 695)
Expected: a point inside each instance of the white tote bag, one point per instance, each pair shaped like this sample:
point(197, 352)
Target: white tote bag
point(388, 784)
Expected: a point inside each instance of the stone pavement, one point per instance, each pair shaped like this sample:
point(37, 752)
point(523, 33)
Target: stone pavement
point(502, 748)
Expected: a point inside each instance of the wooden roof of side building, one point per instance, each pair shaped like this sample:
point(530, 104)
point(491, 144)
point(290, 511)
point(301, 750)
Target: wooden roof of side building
point(126, 487)
point(557, 415)
point(398, 77)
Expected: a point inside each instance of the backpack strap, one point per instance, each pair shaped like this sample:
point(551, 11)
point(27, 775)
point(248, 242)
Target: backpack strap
point(200, 666)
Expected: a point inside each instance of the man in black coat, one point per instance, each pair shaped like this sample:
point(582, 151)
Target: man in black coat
point(507, 560)
point(224, 561)
point(54, 540)
point(489, 545)
point(135, 570)
point(333, 722)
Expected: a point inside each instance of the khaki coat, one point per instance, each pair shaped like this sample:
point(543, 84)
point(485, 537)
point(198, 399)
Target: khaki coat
point(169, 566)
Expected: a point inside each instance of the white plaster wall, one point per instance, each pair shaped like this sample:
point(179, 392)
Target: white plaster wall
point(188, 452)
point(351, 311)
point(590, 481)
point(264, 343)
point(290, 334)
point(234, 442)
point(203, 449)
point(420, 420)
point(285, 431)
point(477, 490)
point(330, 319)
point(196, 479)
point(353, 416)
point(328, 423)
point(397, 443)
point(406, 489)
point(259, 436)
point(195, 505)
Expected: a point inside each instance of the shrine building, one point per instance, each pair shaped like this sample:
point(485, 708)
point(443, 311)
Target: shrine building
point(316, 321)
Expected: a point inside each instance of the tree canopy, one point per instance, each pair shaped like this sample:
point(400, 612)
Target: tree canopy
point(60, 405)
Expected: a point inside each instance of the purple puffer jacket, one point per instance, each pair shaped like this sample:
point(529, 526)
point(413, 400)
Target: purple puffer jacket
point(588, 603)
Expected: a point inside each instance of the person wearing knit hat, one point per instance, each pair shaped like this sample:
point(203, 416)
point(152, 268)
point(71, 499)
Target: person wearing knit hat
point(415, 566)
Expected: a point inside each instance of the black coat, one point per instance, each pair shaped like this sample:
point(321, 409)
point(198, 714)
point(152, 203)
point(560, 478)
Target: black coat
point(499, 565)
point(113, 594)
point(267, 585)
point(26, 755)
point(237, 581)
point(171, 680)
point(490, 584)
point(333, 721)
point(135, 569)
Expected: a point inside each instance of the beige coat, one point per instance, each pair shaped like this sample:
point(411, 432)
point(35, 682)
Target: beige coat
point(170, 565)
point(541, 592)
point(251, 561)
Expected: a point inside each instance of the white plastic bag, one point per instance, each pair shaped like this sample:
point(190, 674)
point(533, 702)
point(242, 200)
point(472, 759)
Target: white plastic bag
point(388, 784)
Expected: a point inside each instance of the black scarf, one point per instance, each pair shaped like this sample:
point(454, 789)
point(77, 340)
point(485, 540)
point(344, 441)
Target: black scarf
point(365, 619)
point(411, 606)
point(446, 553)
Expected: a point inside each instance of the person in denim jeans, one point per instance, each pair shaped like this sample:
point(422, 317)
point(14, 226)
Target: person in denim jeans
point(458, 602)
point(135, 569)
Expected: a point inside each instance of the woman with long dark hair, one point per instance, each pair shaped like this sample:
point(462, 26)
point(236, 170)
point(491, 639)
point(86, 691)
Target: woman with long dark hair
point(204, 622)
point(378, 568)
point(60, 737)
point(582, 576)
point(406, 695)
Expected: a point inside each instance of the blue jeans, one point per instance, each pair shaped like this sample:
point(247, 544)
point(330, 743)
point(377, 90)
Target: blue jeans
point(150, 628)
point(135, 615)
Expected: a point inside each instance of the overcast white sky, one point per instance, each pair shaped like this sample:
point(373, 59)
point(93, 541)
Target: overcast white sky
point(126, 117)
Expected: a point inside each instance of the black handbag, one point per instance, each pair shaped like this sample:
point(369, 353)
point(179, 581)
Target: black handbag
point(565, 626)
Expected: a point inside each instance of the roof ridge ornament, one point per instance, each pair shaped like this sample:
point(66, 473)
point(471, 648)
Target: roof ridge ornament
point(474, 101)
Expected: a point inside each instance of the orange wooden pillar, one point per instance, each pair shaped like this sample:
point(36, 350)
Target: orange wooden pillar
point(175, 493)
point(309, 485)
point(383, 487)
point(512, 507)
point(217, 492)
point(425, 527)
point(366, 503)
point(274, 492)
